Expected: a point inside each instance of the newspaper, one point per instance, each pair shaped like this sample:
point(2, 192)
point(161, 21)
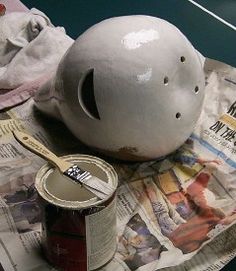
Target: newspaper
point(173, 214)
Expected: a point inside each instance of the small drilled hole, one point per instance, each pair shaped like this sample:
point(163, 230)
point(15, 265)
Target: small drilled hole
point(178, 115)
point(182, 59)
point(196, 90)
point(166, 81)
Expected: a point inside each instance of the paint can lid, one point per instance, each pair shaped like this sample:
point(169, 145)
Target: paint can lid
point(58, 190)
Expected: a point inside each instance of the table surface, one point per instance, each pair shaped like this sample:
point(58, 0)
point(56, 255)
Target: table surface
point(212, 37)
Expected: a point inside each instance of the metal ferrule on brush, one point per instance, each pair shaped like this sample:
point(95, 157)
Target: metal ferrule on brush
point(77, 174)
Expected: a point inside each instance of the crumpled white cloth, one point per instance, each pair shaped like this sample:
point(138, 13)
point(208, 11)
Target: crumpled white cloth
point(30, 47)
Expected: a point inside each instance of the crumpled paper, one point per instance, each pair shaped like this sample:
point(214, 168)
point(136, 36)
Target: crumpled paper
point(30, 47)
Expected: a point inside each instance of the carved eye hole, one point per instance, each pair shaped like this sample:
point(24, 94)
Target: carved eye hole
point(86, 95)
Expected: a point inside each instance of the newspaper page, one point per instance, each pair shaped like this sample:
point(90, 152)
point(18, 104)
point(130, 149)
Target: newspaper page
point(174, 214)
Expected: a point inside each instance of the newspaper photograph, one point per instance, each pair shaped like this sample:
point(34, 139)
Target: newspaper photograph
point(174, 213)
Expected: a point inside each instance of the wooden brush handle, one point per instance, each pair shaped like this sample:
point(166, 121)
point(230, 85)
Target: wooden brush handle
point(36, 147)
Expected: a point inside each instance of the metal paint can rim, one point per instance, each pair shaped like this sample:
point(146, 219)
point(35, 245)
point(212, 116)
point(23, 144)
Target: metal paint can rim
point(47, 169)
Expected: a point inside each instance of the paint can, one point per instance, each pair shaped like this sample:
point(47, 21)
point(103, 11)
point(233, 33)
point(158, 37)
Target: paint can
point(78, 229)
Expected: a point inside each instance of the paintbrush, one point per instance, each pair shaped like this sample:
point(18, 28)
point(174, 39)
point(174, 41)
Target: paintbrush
point(76, 174)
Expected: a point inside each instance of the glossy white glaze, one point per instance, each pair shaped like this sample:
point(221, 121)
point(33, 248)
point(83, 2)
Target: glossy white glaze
point(130, 86)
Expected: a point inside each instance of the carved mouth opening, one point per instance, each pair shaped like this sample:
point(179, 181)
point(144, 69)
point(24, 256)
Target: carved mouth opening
point(86, 95)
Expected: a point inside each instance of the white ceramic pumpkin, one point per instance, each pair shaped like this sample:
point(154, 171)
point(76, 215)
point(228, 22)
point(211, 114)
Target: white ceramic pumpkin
point(131, 87)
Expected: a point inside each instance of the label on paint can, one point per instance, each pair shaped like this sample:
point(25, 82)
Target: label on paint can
point(101, 236)
point(77, 235)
